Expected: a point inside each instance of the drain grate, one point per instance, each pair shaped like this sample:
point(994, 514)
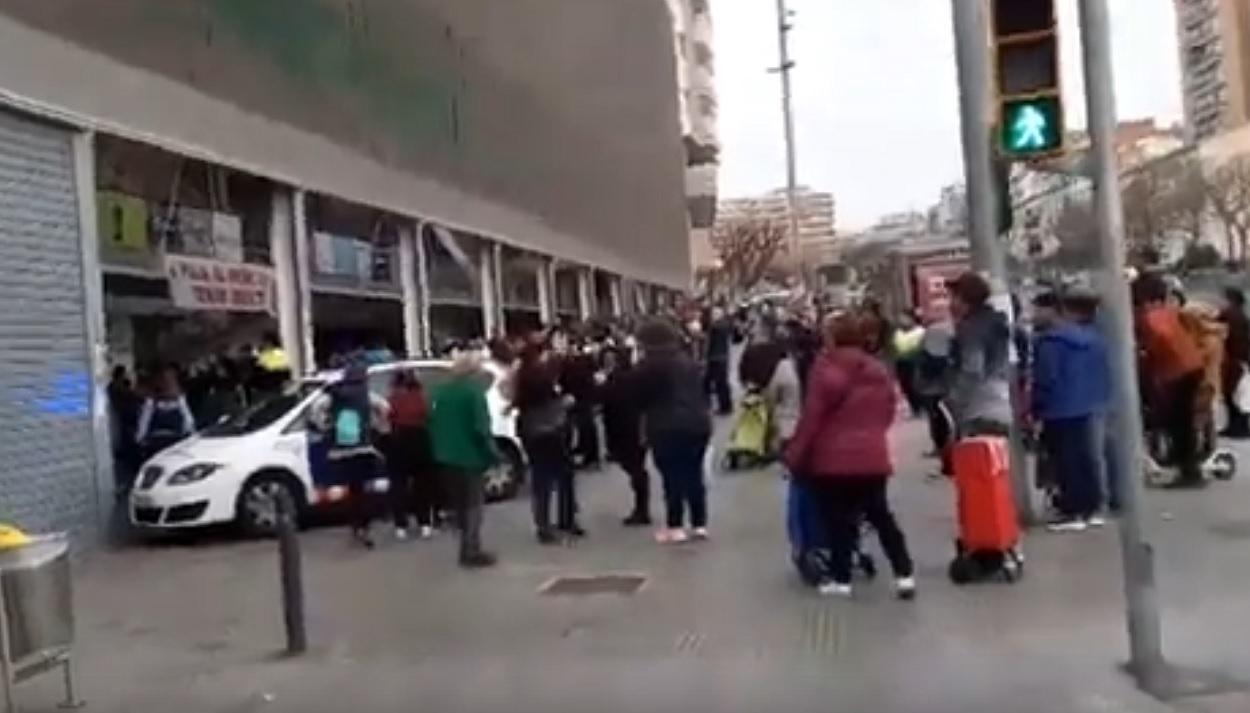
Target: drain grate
point(589, 585)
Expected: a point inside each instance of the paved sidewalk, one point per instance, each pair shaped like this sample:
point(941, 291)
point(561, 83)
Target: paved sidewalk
point(722, 626)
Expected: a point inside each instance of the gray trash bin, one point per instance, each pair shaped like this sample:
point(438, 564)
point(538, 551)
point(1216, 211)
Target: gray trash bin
point(36, 614)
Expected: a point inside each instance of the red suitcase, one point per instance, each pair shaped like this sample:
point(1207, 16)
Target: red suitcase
point(989, 529)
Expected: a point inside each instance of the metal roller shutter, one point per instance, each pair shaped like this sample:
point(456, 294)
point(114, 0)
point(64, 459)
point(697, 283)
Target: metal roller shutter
point(47, 456)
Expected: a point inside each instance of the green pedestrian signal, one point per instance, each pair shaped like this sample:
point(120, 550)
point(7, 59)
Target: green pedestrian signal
point(1031, 127)
point(1027, 77)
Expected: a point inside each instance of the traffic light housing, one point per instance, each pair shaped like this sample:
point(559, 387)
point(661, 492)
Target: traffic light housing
point(1026, 64)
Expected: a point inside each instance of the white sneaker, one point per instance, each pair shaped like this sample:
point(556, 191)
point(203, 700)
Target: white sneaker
point(426, 532)
point(401, 534)
point(701, 533)
point(1068, 526)
point(905, 588)
point(1096, 521)
point(673, 536)
point(833, 589)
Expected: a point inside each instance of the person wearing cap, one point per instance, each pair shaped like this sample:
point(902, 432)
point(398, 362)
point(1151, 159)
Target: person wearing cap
point(980, 394)
point(1071, 393)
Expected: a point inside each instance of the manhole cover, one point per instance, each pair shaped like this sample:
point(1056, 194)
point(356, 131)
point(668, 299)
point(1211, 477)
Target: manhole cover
point(584, 586)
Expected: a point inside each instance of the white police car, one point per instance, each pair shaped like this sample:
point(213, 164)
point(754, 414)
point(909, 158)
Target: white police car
point(234, 471)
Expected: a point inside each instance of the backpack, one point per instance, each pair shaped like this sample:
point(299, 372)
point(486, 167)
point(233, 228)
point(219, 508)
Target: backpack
point(349, 424)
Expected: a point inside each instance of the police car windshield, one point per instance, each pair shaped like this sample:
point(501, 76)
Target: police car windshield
point(263, 413)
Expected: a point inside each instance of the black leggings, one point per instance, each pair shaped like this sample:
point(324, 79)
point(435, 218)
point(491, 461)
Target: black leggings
point(850, 500)
point(1180, 413)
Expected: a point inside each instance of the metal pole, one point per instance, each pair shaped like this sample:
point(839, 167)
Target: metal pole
point(787, 116)
point(291, 567)
point(410, 283)
point(6, 661)
point(1141, 593)
point(971, 56)
point(988, 257)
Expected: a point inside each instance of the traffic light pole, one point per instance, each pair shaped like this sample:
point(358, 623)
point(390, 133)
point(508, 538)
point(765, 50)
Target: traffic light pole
point(1141, 592)
point(988, 255)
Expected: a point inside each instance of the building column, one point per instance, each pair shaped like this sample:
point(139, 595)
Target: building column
point(286, 277)
point(302, 254)
point(614, 296)
point(585, 293)
point(83, 146)
point(409, 284)
point(423, 288)
point(486, 278)
point(496, 262)
point(546, 291)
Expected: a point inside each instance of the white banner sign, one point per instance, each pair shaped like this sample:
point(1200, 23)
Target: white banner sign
point(202, 284)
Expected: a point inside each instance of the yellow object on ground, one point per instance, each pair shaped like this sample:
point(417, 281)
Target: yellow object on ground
point(11, 537)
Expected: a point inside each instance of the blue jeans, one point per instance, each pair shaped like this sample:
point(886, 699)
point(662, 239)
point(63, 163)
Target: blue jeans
point(558, 477)
point(679, 457)
point(1077, 448)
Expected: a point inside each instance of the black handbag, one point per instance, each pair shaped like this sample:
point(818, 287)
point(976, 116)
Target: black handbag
point(546, 420)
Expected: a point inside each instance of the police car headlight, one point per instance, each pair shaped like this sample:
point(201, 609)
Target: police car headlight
point(193, 473)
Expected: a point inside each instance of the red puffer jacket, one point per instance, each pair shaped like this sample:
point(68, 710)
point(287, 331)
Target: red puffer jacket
point(847, 414)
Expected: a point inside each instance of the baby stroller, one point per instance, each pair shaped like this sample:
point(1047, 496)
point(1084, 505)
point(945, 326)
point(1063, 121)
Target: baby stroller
point(748, 441)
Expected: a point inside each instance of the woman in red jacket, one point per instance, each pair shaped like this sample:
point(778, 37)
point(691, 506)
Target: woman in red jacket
point(841, 447)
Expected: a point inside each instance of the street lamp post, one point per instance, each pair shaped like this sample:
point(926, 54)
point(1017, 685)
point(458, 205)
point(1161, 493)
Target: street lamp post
point(787, 115)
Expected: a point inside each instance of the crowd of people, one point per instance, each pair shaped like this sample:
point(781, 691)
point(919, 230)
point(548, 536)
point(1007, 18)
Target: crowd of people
point(832, 383)
point(165, 403)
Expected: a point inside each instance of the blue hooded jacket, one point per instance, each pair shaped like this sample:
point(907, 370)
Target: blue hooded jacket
point(1071, 374)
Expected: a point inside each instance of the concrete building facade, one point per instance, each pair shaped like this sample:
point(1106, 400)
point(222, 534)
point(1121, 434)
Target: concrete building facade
point(399, 173)
point(1214, 41)
point(696, 77)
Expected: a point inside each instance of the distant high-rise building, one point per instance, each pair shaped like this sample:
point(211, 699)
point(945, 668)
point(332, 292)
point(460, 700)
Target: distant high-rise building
point(817, 216)
point(696, 78)
point(1214, 41)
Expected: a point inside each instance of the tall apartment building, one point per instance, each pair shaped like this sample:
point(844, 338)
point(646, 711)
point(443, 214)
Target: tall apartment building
point(817, 214)
point(1214, 41)
point(696, 79)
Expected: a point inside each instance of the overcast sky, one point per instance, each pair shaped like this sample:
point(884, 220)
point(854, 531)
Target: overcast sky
point(875, 97)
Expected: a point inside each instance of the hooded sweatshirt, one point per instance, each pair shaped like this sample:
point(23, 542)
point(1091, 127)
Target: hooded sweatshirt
point(1071, 374)
point(980, 391)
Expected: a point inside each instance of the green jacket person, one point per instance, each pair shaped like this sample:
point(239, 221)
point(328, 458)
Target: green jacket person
point(464, 448)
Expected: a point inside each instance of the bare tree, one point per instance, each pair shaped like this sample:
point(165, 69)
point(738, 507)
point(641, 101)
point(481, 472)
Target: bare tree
point(746, 248)
point(1077, 232)
point(1228, 190)
point(1144, 195)
point(1185, 201)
